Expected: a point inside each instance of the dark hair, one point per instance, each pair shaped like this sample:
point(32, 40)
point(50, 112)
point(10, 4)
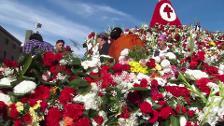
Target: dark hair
point(103, 35)
point(36, 36)
point(60, 41)
point(116, 33)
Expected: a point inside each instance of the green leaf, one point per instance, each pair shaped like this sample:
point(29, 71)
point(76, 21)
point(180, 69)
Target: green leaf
point(80, 85)
point(139, 89)
point(26, 64)
point(174, 121)
point(92, 113)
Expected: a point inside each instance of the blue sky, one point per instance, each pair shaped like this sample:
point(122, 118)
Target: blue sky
point(74, 19)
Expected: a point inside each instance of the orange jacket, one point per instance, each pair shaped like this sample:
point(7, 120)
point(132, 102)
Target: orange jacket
point(125, 41)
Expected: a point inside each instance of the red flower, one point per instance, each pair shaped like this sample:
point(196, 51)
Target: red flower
point(43, 105)
point(193, 64)
point(92, 34)
point(107, 79)
point(98, 119)
point(165, 112)
point(10, 63)
point(17, 123)
point(157, 96)
point(145, 107)
point(125, 113)
point(51, 59)
point(210, 69)
point(120, 67)
point(41, 93)
point(154, 117)
point(13, 111)
point(75, 111)
point(83, 122)
point(151, 63)
point(202, 85)
point(144, 83)
point(190, 113)
point(53, 117)
point(66, 95)
point(201, 55)
point(3, 109)
point(27, 118)
point(180, 109)
point(178, 91)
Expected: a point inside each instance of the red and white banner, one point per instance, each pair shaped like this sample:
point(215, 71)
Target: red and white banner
point(164, 14)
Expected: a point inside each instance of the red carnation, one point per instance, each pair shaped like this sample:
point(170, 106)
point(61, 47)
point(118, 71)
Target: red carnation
point(83, 122)
point(190, 113)
point(51, 59)
point(41, 93)
point(3, 109)
point(145, 107)
point(154, 117)
point(13, 111)
point(151, 63)
point(125, 113)
point(165, 112)
point(74, 111)
point(66, 95)
point(210, 69)
point(53, 117)
point(144, 83)
point(193, 64)
point(201, 55)
point(98, 119)
point(10, 63)
point(178, 91)
point(27, 118)
point(17, 123)
point(202, 85)
point(157, 96)
point(120, 67)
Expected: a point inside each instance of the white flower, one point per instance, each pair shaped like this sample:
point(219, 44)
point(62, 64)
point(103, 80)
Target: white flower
point(131, 121)
point(196, 74)
point(8, 71)
point(171, 55)
point(221, 69)
point(124, 52)
point(157, 59)
point(214, 87)
point(183, 121)
point(46, 76)
point(91, 63)
point(90, 100)
point(5, 98)
point(24, 87)
point(165, 63)
point(161, 81)
point(141, 76)
point(60, 76)
point(6, 81)
point(63, 62)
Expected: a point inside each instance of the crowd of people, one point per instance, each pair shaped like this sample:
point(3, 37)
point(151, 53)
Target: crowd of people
point(36, 45)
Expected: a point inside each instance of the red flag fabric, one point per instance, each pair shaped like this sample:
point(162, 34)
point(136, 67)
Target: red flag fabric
point(164, 14)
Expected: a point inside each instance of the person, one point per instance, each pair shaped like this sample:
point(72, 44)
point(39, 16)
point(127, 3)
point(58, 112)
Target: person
point(121, 41)
point(36, 45)
point(59, 46)
point(162, 47)
point(102, 39)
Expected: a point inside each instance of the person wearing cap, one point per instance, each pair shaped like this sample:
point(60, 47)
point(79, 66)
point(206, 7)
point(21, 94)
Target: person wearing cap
point(102, 39)
point(36, 45)
point(121, 41)
point(59, 46)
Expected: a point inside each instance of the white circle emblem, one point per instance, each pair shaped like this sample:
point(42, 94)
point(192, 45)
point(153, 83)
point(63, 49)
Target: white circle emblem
point(167, 12)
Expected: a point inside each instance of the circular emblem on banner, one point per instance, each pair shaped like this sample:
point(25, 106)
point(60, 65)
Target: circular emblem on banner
point(167, 12)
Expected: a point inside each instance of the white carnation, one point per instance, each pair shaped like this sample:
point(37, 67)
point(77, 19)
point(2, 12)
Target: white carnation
point(124, 52)
point(196, 74)
point(5, 98)
point(161, 81)
point(63, 62)
point(6, 81)
point(183, 121)
point(91, 63)
point(90, 100)
point(165, 63)
point(131, 121)
point(221, 69)
point(8, 71)
point(24, 87)
point(171, 55)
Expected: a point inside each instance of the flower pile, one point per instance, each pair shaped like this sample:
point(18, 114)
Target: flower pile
point(180, 85)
